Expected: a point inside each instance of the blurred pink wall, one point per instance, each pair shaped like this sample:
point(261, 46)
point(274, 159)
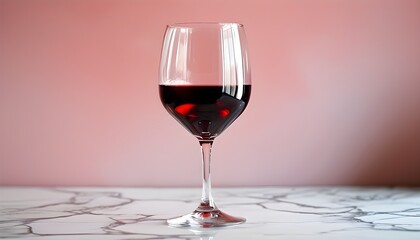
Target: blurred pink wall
point(336, 94)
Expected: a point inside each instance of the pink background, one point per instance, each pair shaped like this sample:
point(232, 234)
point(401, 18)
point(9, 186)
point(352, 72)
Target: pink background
point(336, 94)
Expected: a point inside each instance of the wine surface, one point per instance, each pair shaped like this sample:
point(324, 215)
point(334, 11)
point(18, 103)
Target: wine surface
point(205, 110)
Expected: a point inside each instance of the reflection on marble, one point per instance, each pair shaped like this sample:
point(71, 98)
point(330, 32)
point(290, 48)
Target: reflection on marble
point(272, 213)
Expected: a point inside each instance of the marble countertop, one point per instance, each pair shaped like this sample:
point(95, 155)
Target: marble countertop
point(272, 213)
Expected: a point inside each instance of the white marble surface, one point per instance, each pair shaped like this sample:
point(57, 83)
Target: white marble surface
point(272, 213)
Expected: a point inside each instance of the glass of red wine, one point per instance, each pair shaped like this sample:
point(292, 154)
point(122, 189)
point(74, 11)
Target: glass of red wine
point(205, 84)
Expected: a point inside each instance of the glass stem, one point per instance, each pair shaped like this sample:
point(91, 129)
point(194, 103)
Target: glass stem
point(207, 202)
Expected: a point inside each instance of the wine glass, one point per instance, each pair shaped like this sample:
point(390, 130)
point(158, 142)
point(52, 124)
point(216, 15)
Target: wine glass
point(205, 84)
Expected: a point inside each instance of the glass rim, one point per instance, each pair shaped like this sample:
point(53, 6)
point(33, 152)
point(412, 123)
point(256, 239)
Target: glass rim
point(201, 24)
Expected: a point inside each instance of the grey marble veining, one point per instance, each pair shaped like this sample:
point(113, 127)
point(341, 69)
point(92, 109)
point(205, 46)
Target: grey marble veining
point(272, 213)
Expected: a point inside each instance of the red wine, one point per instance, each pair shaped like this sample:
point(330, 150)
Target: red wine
point(205, 111)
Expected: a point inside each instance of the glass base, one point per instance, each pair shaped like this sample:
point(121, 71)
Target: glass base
point(205, 219)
